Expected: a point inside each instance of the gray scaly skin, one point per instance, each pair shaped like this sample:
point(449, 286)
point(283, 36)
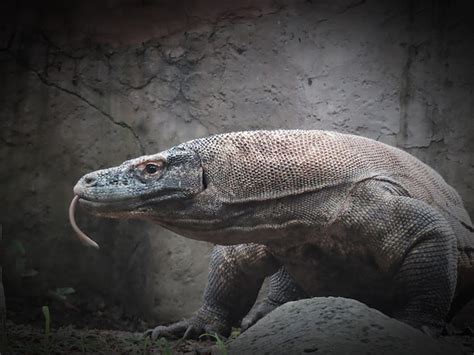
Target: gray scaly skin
point(319, 212)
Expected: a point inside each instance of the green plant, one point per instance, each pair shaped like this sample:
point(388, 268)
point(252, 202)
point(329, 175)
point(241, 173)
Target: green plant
point(83, 343)
point(61, 294)
point(47, 321)
point(234, 333)
point(47, 328)
point(146, 344)
point(165, 347)
point(220, 342)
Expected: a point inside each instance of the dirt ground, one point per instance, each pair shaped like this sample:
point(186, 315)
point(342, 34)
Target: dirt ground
point(73, 328)
point(26, 339)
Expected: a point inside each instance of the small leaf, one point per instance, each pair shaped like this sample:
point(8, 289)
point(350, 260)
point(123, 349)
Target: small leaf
point(47, 320)
point(30, 273)
point(165, 346)
point(56, 296)
point(220, 342)
point(65, 291)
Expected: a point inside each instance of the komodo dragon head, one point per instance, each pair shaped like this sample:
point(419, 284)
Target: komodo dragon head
point(146, 187)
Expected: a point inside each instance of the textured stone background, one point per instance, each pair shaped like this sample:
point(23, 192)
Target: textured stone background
point(88, 84)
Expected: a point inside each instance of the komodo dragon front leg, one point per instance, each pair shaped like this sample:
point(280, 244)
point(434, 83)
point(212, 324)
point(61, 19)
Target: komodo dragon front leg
point(282, 288)
point(236, 275)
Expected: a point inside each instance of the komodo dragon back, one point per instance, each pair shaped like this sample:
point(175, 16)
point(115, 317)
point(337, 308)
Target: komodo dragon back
point(261, 165)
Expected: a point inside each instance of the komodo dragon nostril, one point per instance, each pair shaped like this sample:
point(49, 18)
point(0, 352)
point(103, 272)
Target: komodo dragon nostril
point(90, 180)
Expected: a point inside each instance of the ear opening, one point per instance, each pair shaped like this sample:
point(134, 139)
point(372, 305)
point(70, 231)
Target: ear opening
point(205, 180)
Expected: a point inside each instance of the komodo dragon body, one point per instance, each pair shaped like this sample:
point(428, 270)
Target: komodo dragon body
point(320, 213)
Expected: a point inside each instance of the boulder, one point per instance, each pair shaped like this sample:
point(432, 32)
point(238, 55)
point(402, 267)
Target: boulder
point(334, 325)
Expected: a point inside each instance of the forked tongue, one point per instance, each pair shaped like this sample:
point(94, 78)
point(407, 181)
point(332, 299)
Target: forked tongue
point(80, 234)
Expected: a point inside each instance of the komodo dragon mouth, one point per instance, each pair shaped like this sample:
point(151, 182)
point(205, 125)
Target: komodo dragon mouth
point(83, 237)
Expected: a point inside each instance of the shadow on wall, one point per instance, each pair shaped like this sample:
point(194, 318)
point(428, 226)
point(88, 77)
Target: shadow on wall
point(88, 85)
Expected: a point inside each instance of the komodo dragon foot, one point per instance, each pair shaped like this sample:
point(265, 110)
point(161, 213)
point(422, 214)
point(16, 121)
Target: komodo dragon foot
point(191, 328)
point(258, 313)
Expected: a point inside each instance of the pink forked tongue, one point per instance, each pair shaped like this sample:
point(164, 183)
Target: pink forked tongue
point(80, 234)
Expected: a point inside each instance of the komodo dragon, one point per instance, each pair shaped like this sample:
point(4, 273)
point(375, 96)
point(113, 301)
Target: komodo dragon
point(322, 213)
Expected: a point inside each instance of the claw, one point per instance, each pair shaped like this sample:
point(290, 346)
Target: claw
point(431, 331)
point(155, 334)
point(190, 328)
point(188, 332)
point(147, 333)
point(172, 332)
point(253, 317)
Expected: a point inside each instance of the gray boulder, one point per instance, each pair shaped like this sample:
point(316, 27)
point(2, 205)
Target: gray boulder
point(333, 325)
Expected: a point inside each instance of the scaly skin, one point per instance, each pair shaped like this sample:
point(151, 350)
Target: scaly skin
point(320, 213)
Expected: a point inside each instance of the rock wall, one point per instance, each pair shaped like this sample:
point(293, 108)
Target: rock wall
point(88, 84)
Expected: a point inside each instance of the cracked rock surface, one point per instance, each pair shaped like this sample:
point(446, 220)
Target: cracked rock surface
point(330, 325)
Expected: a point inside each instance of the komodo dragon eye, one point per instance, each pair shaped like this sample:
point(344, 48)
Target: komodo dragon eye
point(151, 168)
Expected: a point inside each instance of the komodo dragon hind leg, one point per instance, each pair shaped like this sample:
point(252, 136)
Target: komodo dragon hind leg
point(426, 280)
point(282, 288)
point(420, 246)
point(236, 274)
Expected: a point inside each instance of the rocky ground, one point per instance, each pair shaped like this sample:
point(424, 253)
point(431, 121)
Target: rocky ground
point(320, 325)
